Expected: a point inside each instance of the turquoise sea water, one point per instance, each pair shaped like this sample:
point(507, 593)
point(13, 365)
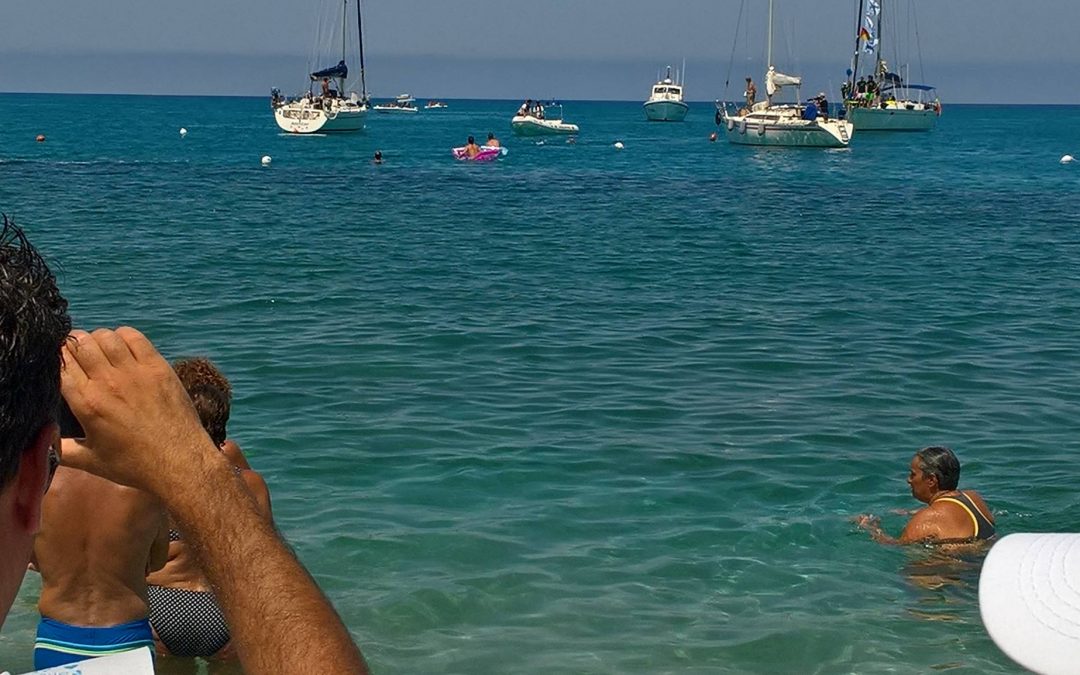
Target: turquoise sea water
point(594, 411)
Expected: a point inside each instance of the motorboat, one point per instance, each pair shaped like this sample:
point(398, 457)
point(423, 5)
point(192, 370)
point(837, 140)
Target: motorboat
point(435, 105)
point(883, 100)
point(402, 104)
point(539, 119)
point(783, 124)
point(666, 103)
point(328, 109)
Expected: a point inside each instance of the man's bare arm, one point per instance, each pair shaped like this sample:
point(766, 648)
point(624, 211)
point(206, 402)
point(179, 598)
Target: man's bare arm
point(142, 431)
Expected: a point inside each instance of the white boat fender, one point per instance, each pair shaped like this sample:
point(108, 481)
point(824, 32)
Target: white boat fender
point(742, 127)
point(183, 132)
point(761, 129)
point(730, 124)
point(1067, 159)
point(266, 160)
point(619, 145)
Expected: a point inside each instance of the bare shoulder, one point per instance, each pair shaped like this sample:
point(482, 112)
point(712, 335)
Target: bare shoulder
point(927, 524)
point(977, 499)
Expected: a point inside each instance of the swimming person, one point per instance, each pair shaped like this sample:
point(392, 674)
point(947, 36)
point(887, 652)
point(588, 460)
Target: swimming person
point(378, 157)
point(491, 142)
point(184, 612)
point(951, 515)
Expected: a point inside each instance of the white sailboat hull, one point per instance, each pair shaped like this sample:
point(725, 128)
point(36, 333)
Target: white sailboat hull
point(305, 117)
point(894, 117)
point(787, 131)
point(527, 125)
point(665, 111)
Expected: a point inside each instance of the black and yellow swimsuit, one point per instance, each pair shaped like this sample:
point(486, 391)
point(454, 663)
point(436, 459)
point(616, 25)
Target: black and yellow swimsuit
point(984, 529)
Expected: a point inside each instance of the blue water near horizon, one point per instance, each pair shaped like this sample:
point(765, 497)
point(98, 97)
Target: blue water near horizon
point(590, 410)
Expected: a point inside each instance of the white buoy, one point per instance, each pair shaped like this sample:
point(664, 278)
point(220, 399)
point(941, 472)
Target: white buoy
point(1066, 159)
point(266, 160)
point(183, 132)
point(619, 145)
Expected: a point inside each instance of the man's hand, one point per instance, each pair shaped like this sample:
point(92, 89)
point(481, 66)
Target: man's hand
point(141, 428)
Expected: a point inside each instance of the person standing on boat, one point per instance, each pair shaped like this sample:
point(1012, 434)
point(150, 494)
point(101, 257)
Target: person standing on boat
point(750, 93)
point(326, 87)
point(492, 142)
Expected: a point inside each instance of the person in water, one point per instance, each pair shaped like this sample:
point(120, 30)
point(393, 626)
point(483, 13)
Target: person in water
point(184, 611)
point(951, 515)
point(471, 148)
point(492, 142)
point(378, 157)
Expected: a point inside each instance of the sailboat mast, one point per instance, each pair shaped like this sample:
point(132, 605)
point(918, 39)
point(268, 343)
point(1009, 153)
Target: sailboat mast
point(360, 37)
point(881, 36)
point(768, 56)
point(344, 16)
point(858, 36)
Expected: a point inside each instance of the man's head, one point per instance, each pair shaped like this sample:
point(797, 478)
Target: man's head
point(211, 393)
point(933, 469)
point(33, 325)
point(491, 135)
point(748, 80)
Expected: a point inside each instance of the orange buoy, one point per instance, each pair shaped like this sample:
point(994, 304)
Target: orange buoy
point(40, 138)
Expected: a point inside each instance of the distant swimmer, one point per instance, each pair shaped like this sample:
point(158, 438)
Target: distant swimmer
point(471, 148)
point(492, 142)
point(951, 515)
point(378, 157)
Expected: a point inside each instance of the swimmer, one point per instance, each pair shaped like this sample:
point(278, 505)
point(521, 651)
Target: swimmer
point(491, 142)
point(471, 148)
point(951, 515)
point(378, 157)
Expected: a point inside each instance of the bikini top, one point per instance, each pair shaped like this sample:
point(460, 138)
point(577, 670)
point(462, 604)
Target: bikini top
point(984, 529)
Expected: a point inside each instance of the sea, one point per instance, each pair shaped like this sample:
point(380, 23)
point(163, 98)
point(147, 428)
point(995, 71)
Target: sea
point(587, 409)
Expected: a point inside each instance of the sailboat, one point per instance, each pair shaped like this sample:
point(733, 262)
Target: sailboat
point(882, 100)
point(783, 124)
point(666, 103)
point(327, 109)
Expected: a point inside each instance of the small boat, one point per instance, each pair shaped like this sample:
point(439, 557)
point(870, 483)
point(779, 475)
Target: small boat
point(486, 154)
point(402, 104)
point(788, 124)
point(884, 100)
point(329, 109)
point(666, 103)
point(537, 119)
point(435, 105)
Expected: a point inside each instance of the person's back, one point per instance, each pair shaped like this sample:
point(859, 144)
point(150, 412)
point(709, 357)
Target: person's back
point(97, 542)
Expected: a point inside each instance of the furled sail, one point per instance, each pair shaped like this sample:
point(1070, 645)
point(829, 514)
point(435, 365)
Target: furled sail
point(775, 80)
point(340, 70)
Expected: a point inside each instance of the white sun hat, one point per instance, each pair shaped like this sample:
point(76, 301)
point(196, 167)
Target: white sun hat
point(1029, 597)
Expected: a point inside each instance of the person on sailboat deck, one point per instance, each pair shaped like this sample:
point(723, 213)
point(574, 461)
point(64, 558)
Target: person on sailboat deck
point(750, 93)
point(525, 108)
point(326, 87)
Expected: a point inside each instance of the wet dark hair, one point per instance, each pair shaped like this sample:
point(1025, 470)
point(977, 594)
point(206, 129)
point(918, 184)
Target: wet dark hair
point(34, 323)
point(471, 139)
point(491, 134)
point(941, 463)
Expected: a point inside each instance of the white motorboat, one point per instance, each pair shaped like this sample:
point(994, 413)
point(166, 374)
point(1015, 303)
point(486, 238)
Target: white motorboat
point(435, 105)
point(402, 104)
point(666, 103)
point(884, 100)
point(538, 119)
point(328, 109)
point(787, 124)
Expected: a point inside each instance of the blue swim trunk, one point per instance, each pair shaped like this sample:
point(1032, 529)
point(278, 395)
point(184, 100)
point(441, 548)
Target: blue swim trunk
point(58, 643)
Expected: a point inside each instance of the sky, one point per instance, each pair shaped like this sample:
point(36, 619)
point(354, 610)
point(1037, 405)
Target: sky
point(974, 51)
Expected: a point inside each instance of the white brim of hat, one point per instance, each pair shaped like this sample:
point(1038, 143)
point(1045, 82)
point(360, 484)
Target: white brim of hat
point(1029, 597)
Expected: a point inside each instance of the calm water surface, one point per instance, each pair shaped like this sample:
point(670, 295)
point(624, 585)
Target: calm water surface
point(588, 410)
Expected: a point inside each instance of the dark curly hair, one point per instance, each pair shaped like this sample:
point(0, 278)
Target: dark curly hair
point(210, 391)
point(34, 323)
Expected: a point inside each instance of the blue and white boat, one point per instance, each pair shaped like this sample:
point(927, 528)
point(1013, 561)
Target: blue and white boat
point(666, 103)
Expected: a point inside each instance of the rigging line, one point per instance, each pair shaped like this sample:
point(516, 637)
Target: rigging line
point(918, 45)
point(734, 44)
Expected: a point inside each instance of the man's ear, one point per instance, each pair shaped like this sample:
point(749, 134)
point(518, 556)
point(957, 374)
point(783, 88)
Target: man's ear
point(31, 478)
